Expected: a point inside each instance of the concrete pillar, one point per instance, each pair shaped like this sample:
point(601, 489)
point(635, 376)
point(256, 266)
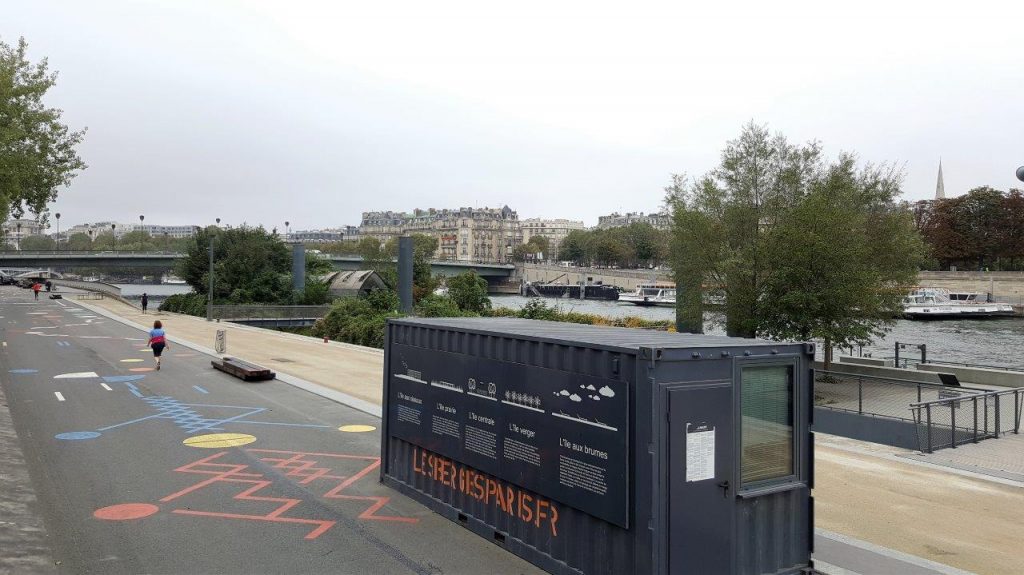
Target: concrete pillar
point(298, 267)
point(405, 274)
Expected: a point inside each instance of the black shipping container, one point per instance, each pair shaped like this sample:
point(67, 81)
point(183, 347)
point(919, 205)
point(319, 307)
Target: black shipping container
point(604, 450)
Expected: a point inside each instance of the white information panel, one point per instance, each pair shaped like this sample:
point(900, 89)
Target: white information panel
point(700, 452)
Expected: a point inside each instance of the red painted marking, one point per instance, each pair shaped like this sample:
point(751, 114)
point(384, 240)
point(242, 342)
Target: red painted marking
point(305, 467)
point(125, 511)
point(140, 369)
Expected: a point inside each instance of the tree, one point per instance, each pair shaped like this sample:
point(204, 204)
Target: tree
point(801, 250)
point(37, 151)
point(250, 265)
point(841, 259)
point(469, 292)
point(574, 247)
point(38, 243)
point(79, 242)
point(138, 240)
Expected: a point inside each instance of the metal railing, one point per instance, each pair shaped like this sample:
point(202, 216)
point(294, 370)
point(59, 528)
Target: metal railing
point(878, 396)
point(251, 312)
point(977, 365)
point(952, 421)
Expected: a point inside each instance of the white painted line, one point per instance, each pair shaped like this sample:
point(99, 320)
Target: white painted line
point(59, 396)
point(60, 303)
point(5, 344)
point(105, 386)
point(77, 375)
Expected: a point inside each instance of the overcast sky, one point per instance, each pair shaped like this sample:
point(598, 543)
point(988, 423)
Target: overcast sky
point(314, 112)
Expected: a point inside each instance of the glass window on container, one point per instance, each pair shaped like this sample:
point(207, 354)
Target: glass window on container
point(767, 428)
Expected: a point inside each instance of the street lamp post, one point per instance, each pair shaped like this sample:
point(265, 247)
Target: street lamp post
point(209, 294)
point(57, 217)
point(141, 218)
point(113, 236)
point(287, 231)
point(19, 237)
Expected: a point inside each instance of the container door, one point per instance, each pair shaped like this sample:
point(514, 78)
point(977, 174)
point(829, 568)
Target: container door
point(700, 473)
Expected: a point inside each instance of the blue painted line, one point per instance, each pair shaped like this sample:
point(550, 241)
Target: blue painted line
point(122, 378)
point(23, 371)
point(135, 391)
point(199, 389)
point(75, 435)
point(129, 422)
point(286, 424)
point(228, 420)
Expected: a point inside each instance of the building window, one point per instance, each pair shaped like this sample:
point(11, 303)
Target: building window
point(766, 393)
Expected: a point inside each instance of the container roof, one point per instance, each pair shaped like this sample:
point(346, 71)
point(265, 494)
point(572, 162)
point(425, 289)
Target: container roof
point(604, 336)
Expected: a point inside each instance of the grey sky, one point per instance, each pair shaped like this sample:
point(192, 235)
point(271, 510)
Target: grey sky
point(316, 111)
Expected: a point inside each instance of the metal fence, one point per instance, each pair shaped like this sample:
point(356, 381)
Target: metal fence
point(878, 396)
point(978, 365)
point(952, 421)
point(251, 312)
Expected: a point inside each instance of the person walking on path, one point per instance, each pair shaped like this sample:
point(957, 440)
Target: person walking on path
point(157, 341)
point(35, 289)
point(145, 302)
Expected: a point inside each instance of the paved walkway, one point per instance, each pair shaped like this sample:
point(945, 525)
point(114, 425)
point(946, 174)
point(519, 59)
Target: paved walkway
point(901, 511)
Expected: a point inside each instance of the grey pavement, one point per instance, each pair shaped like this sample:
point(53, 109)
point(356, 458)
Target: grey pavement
point(23, 538)
point(121, 493)
point(1000, 457)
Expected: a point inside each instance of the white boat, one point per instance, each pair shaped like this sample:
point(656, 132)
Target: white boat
point(651, 294)
point(939, 303)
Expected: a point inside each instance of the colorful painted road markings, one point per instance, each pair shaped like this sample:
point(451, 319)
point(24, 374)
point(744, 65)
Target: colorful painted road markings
point(184, 355)
point(63, 344)
point(141, 369)
point(219, 440)
point(60, 396)
point(132, 360)
point(125, 511)
point(199, 389)
point(23, 371)
point(76, 375)
point(77, 435)
point(122, 378)
point(356, 428)
point(331, 474)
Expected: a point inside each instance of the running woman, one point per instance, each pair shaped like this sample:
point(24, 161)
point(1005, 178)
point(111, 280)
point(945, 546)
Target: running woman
point(157, 341)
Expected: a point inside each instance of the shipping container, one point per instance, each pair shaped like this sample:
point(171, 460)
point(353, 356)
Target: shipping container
point(601, 450)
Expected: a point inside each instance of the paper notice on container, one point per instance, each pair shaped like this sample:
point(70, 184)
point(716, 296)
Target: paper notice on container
point(700, 452)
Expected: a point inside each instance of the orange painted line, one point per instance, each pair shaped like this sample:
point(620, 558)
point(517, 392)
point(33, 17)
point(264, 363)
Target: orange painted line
point(323, 525)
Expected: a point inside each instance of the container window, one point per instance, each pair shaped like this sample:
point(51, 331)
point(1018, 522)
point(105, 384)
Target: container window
point(767, 428)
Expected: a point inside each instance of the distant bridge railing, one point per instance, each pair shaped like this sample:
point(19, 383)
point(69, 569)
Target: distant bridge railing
point(268, 312)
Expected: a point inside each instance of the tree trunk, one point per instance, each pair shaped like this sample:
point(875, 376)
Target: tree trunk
point(827, 353)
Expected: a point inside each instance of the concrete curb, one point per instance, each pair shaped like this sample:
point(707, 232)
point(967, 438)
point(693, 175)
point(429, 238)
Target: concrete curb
point(891, 553)
point(315, 388)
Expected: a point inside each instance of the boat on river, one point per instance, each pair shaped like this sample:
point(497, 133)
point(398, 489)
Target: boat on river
point(939, 303)
point(651, 294)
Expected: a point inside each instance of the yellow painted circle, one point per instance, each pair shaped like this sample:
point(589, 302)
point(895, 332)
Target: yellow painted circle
point(356, 428)
point(132, 360)
point(218, 440)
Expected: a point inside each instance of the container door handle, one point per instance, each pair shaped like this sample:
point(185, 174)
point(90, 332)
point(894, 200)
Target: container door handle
point(725, 488)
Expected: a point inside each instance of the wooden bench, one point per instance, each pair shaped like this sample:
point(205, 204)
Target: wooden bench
point(243, 369)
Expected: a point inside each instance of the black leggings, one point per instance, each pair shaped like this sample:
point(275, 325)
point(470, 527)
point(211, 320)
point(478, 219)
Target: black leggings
point(158, 348)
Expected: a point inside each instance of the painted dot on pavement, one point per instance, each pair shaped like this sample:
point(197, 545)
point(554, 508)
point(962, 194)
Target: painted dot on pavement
point(141, 369)
point(23, 371)
point(356, 428)
point(218, 440)
point(132, 360)
point(125, 511)
point(73, 435)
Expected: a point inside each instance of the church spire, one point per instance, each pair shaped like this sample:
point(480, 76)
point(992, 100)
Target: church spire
point(940, 187)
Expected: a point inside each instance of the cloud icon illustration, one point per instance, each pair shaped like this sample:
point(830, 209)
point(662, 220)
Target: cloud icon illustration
point(575, 397)
point(606, 391)
point(563, 392)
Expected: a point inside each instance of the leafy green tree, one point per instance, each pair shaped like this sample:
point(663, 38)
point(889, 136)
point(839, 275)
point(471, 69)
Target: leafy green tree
point(469, 292)
point(574, 247)
point(251, 265)
point(79, 242)
point(840, 259)
point(138, 241)
point(801, 250)
point(37, 150)
point(103, 242)
point(38, 243)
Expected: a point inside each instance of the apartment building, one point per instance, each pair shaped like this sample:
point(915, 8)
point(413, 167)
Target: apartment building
point(554, 230)
point(464, 234)
point(662, 221)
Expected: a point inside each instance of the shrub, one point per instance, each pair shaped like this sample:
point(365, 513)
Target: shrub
point(188, 303)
